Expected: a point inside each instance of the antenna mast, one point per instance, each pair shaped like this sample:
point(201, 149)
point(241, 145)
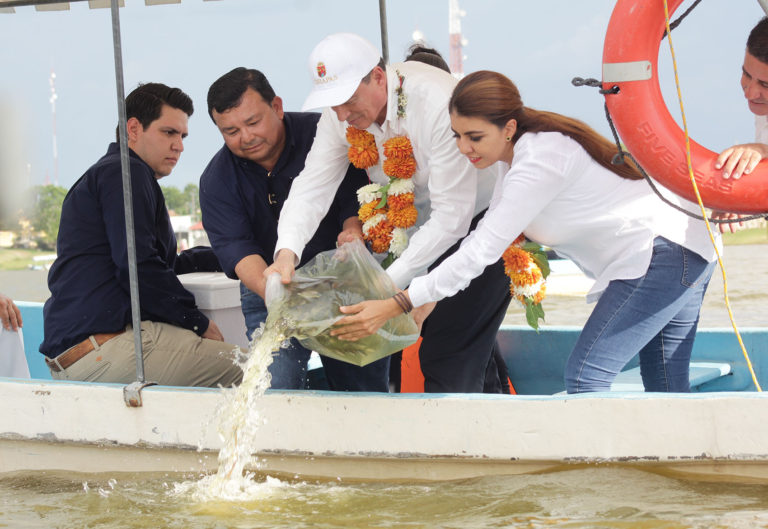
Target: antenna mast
point(457, 42)
point(52, 100)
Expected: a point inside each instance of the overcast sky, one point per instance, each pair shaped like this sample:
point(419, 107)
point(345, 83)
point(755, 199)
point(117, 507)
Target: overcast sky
point(539, 44)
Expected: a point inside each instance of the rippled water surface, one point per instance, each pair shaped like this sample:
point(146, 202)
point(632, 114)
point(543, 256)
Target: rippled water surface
point(584, 497)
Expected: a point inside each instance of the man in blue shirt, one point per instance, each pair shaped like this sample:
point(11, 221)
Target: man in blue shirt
point(241, 193)
point(88, 335)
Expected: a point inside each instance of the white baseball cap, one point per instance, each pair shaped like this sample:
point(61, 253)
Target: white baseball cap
point(336, 65)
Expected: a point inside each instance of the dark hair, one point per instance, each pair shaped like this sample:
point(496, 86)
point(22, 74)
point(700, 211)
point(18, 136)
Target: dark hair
point(757, 43)
point(420, 53)
point(146, 101)
point(493, 97)
point(367, 78)
point(227, 91)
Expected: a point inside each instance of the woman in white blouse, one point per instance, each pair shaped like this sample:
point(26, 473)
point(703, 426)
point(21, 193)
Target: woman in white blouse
point(651, 263)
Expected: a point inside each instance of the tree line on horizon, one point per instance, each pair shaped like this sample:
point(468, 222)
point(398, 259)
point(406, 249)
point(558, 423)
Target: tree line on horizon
point(36, 221)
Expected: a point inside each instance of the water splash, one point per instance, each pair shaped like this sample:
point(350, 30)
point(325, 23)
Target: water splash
point(239, 422)
point(240, 418)
point(233, 489)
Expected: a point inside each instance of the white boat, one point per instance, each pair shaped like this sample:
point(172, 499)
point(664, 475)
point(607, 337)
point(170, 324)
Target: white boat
point(718, 431)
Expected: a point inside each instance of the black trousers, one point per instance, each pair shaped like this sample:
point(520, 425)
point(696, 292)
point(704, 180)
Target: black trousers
point(459, 335)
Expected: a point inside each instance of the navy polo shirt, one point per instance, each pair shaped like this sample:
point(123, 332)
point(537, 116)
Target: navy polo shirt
point(241, 201)
point(89, 286)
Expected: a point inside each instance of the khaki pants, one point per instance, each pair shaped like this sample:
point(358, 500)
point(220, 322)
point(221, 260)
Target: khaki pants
point(172, 357)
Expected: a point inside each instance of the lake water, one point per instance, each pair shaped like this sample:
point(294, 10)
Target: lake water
point(579, 496)
point(602, 497)
point(746, 267)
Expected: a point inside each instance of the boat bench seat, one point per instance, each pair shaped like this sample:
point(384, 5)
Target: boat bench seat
point(701, 372)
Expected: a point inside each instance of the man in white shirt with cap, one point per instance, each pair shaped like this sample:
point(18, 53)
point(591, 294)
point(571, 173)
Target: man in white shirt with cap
point(355, 88)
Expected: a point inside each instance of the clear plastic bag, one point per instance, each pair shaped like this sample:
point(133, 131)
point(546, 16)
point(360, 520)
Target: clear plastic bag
point(308, 306)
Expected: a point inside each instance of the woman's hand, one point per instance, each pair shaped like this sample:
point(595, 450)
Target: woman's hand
point(365, 318)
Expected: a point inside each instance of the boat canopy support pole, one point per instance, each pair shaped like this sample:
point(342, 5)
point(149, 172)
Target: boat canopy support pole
point(131, 393)
point(384, 38)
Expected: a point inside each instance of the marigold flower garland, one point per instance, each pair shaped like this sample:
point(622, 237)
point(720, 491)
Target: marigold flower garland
point(362, 148)
point(527, 266)
point(386, 211)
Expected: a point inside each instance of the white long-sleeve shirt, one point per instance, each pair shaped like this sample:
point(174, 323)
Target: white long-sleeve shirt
point(559, 196)
point(448, 190)
point(761, 129)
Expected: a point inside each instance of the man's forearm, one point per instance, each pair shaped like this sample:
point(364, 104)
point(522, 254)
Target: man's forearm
point(250, 270)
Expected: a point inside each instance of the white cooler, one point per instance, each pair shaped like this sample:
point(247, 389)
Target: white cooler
point(218, 297)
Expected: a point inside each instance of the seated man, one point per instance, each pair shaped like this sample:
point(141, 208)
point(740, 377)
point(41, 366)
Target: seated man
point(241, 194)
point(87, 319)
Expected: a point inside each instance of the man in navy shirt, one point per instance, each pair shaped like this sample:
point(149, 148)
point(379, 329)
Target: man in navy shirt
point(88, 335)
point(241, 193)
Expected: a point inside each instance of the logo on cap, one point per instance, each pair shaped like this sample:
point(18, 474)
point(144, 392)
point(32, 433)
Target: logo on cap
point(321, 70)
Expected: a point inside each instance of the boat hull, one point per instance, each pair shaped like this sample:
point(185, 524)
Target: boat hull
point(87, 428)
point(717, 432)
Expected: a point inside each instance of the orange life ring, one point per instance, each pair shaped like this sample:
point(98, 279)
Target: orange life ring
point(630, 61)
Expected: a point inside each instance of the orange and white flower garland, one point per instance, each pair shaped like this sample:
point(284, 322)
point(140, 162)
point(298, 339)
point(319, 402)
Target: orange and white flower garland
point(527, 266)
point(386, 211)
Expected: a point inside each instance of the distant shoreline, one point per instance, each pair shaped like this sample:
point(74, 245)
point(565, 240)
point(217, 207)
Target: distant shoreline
point(23, 278)
point(747, 279)
point(30, 259)
point(748, 236)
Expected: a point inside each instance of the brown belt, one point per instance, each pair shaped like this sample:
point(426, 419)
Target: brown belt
point(76, 352)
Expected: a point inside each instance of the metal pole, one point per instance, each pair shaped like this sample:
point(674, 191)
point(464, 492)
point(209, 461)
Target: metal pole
point(127, 196)
point(384, 40)
point(764, 5)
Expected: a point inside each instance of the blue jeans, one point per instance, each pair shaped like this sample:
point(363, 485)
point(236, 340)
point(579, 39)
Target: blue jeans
point(655, 315)
point(289, 365)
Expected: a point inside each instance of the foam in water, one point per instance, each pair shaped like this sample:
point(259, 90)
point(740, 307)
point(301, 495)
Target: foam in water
point(239, 421)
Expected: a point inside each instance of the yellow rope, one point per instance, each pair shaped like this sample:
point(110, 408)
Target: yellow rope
point(701, 205)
